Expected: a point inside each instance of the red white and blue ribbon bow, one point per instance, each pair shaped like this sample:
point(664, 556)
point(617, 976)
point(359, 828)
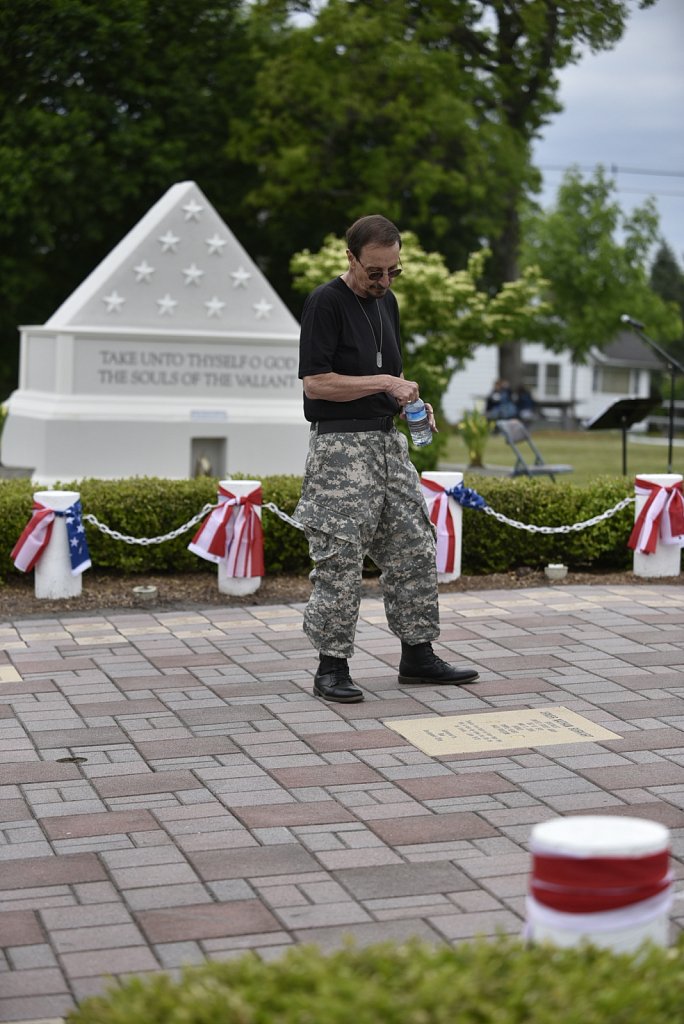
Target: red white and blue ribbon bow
point(437, 500)
point(661, 517)
point(232, 533)
point(36, 535)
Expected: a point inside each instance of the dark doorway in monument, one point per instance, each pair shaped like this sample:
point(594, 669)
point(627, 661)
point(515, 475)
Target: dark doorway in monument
point(208, 456)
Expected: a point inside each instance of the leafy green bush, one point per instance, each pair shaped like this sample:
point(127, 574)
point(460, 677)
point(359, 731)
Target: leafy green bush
point(151, 507)
point(490, 546)
point(499, 982)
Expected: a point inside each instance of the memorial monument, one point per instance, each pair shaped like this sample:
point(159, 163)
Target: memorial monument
point(173, 358)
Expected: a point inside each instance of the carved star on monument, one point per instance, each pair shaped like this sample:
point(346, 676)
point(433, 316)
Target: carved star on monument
point(113, 301)
point(240, 277)
point(214, 306)
point(216, 244)
point(143, 272)
point(166, 305)
point(193, 274)
point(169, 241)
point(262, 309)
point(192, 210)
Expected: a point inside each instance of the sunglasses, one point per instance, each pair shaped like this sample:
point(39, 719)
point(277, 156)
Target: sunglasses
point(376, 275)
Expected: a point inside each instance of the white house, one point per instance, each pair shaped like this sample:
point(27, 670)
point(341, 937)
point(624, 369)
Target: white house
point(565, 393)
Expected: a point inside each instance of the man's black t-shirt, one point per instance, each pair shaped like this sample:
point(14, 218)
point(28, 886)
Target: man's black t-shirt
point(336, 337)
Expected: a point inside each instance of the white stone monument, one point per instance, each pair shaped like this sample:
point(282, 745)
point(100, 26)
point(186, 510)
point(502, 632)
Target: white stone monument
point(173, 358)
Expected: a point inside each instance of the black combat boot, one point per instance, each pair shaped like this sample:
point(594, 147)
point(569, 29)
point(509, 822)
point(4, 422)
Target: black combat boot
point(333, 682)
point(420, 664)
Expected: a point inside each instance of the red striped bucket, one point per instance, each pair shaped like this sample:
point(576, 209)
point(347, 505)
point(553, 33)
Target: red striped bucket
point(601, 879)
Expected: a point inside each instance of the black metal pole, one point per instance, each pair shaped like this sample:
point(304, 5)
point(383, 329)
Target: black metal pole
point(670, 424)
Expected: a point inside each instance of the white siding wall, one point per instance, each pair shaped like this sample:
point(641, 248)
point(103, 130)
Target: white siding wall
point(470, 386)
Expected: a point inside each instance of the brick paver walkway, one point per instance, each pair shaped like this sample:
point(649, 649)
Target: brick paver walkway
point(171, 791)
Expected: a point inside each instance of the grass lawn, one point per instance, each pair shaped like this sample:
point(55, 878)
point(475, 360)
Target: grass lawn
point(591, 453)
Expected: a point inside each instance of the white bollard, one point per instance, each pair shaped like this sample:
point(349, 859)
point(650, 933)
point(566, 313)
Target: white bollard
point(600, 879)
point(447, 481)
point(52, 574)
point(666, 559)
point(238, 586)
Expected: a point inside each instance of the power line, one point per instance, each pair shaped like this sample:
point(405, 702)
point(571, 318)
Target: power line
point(649, 192)
point(614, 169)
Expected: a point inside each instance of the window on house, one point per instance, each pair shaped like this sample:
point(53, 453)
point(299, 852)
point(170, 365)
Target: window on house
point(612, 380)
point(530, 376)
point(552, 380)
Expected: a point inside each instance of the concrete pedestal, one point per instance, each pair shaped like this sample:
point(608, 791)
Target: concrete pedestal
point(238, 586)
point(667, 558)
point(600, 879)
point(447, 481)
point(52, 574)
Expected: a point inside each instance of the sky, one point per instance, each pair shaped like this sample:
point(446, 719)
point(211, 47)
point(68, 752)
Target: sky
point(624, 109)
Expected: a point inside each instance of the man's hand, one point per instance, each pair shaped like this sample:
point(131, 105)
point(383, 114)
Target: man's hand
point(431, 418)
point(404, 391)
point(430, 415)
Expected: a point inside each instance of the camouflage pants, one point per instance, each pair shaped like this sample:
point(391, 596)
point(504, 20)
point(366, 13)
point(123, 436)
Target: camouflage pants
point(361, 495)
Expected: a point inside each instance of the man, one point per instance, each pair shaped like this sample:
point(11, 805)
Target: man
point(361, 494)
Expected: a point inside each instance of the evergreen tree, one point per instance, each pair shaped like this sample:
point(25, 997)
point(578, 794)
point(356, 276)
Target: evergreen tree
point(667, 281)
point(667, 277)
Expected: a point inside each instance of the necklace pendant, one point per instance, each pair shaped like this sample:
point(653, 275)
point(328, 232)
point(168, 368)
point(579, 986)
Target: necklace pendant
point(378, 359)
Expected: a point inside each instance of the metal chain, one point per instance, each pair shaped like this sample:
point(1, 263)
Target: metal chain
point(283, 515)
point(531, 528)
point(145, 541)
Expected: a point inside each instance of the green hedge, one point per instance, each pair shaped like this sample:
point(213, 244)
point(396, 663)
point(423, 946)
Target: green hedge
point(151, 507)
point(500, 982)
point(490, 546)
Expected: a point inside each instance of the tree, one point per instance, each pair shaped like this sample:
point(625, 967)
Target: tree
point(667, 277)
point(424, 110)
point(444, 314)
point(420, 109)
point(365, 111)
point(516, 50)
point(104, 106)
point(595, 258)
point(667, 281)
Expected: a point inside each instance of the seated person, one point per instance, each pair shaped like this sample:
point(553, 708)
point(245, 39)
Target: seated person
point(500, 404)
point(527, 407)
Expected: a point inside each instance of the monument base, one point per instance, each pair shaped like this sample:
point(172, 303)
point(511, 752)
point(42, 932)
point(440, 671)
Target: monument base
point(64, 439)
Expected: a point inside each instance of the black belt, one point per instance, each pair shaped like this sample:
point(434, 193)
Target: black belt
point(353, 426)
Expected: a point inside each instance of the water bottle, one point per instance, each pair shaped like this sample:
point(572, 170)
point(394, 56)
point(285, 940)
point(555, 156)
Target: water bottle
point(418, 424)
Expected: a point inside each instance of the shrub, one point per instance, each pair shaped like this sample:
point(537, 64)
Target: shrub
point(490, 546)
point(151, 507)
point(499, 982)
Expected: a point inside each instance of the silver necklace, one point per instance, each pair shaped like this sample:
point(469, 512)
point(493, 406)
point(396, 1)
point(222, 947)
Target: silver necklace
point(378, 354)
